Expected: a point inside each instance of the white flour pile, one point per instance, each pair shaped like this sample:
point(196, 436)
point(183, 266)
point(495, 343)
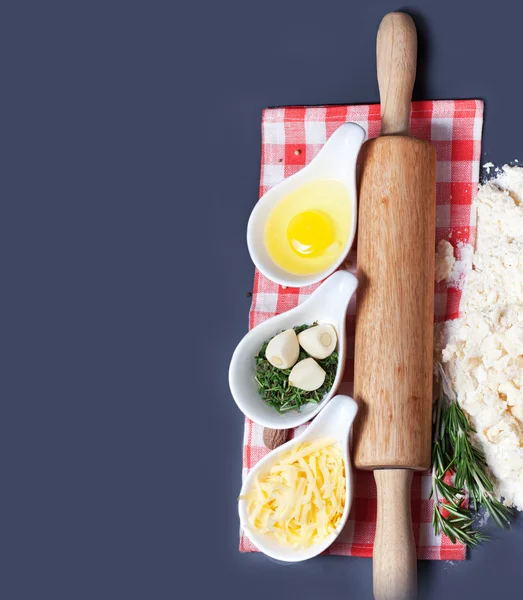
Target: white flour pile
point(484, 353)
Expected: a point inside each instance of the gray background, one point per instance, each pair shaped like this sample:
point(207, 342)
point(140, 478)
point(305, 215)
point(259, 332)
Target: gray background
point(130, 163)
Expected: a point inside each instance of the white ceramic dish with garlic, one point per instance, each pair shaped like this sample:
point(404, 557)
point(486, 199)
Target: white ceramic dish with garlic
point(326, 306)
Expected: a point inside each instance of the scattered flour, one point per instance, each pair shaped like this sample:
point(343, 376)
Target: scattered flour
point(450, 269)
point(462, 266)
point(449, 565)
point(481, 518)
point(488, 166)
point(484, 353)
point(444, 260)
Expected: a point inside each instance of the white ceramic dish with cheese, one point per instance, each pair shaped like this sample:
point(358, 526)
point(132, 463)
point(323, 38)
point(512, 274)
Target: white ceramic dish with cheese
point(327, 304)
point(334, 422)
point(336, 162)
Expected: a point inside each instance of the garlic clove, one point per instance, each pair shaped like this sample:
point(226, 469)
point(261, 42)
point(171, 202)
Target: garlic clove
point(307, 375)
point(283, 350)
point(319, 341)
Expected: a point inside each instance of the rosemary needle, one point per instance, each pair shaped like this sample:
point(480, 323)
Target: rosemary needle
point(457, 466)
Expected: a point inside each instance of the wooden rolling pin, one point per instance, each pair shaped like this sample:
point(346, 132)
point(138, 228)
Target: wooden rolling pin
point(394, 323)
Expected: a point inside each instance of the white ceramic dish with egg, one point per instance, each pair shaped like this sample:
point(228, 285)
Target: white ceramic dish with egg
point(336, 160)
point(334, 422)
point(327, 304)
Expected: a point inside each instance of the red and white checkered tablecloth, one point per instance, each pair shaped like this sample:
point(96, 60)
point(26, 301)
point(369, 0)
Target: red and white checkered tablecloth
point(291, 138)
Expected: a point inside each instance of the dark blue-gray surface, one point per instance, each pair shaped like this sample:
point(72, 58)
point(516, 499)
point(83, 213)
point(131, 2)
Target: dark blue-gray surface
point(130, 162)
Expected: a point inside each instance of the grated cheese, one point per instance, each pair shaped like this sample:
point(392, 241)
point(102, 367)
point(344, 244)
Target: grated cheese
point(300, 499)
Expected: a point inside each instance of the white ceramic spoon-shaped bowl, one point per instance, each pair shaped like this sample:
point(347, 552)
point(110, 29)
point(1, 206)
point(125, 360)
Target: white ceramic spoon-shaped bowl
point(327, 304)
point(334, 422)
point(336, 160)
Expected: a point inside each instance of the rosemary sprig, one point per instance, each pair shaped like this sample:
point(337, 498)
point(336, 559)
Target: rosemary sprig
point(273, 383)
point(460, 480)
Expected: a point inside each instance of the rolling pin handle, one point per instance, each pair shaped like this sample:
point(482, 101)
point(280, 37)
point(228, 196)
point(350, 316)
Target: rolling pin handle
point(394, 570)
point(396, 54)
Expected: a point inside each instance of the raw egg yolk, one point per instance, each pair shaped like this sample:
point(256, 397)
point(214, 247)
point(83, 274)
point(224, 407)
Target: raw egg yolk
point(310, 233)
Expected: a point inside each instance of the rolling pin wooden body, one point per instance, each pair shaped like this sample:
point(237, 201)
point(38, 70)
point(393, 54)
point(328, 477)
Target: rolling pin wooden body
point(394, 323)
